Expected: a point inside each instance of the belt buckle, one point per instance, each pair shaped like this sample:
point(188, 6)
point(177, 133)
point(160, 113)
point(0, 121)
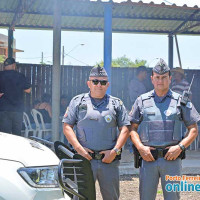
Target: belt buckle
point(160, 153)
point(98, 156)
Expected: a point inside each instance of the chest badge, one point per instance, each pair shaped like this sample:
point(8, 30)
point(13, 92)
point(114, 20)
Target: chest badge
point(189, 105)
point(108, 118)
point(167, 112)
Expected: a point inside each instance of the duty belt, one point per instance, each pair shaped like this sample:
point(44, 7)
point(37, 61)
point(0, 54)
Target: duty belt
point(160, 153)
point(97, 156)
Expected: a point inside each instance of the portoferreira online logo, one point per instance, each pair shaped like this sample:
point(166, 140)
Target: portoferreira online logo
point(180, 183)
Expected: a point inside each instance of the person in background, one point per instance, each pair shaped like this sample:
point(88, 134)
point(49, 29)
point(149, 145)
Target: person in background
point(63, 104)
point(44, 107)
point(179, 83)
point(13, 85)
point(136, 86)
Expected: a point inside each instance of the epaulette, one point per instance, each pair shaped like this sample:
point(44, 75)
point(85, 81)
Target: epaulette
point(147, 95)
point(117, 99)
point(176, 95)
point(80, 96)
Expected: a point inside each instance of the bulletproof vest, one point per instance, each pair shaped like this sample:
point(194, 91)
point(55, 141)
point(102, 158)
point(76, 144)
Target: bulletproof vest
point(162, 124)
point(97, 126)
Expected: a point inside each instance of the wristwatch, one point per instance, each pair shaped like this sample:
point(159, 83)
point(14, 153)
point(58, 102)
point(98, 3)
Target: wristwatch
point(117, 151)
point(181, 146)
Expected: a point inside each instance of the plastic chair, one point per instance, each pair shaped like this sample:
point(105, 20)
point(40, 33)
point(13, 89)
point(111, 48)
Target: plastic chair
point(39, 122)
point(28, 127)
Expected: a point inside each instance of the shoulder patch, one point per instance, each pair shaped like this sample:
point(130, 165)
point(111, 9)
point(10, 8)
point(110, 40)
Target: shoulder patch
point(131, 112)
point(66, 112)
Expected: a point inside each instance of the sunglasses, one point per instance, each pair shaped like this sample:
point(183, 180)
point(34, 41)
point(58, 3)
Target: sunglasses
point(96, 82)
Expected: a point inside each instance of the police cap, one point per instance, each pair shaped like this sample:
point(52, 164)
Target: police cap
point(98, 72)
point(161, 67)
point(9, 61)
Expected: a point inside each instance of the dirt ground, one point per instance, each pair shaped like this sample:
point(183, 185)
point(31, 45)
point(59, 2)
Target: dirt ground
point(129, 190)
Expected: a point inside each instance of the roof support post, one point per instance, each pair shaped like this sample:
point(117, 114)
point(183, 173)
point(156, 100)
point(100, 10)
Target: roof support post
point(170, 51)
point(56, 70)
point(10, 43)
point(178, 52)
point(108, 41)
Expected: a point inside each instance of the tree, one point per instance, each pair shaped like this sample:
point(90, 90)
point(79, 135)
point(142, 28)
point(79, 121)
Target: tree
point(125, 62)
point(2, 58)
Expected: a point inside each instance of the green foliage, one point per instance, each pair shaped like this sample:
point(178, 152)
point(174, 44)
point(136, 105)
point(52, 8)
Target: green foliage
point(2, 58)
point(125, 62)
point(42, 63)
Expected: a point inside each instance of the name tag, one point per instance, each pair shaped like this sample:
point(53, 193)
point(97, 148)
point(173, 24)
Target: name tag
point(94, 118)
point(151, 113)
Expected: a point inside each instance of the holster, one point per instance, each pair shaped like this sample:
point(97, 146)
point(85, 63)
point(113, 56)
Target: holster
point(137, 158)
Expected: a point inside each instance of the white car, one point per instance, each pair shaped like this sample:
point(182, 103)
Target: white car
point(28, 170)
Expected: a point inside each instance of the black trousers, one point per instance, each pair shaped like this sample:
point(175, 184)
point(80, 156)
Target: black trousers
point(11, 122)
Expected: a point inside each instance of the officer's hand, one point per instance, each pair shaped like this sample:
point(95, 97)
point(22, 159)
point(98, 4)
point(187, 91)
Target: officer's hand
point(173, 152)
point(109, 156)
point(146, 153)
point(85, 153)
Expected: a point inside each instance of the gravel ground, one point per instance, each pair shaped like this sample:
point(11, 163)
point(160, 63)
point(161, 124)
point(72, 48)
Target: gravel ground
point(129, 186)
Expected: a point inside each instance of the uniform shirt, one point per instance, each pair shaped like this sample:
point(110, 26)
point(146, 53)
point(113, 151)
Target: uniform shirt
point(136, 88)
point(12, 84)
point(71, 115)
point(189, 114)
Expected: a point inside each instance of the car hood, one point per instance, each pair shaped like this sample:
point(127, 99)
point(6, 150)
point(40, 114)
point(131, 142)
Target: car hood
point(28, 152)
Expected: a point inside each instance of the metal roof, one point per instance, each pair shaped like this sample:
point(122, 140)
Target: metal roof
point(86, 15)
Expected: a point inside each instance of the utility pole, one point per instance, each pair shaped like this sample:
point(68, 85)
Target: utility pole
point(63, 55)
point(42, 58)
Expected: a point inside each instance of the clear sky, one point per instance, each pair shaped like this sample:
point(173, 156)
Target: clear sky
point(134, 46)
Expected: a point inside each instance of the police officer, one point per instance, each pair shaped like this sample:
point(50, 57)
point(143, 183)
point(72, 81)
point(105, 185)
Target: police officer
point(97, 117)
point(159, 114)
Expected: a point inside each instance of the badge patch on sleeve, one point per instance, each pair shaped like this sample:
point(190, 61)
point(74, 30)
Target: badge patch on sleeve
point(108, 118)
point(66, 112)
point(131, 112)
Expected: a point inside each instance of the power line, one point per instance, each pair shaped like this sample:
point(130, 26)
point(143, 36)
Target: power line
point(78, 60)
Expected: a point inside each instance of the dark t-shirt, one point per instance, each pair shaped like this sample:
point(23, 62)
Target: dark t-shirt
point(12, 84)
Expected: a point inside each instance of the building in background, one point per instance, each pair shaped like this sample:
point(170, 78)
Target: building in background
point(4, 46)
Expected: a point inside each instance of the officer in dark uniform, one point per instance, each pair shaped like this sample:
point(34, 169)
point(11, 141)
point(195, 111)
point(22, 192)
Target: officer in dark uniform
point(159, 114)
point(98, 118)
